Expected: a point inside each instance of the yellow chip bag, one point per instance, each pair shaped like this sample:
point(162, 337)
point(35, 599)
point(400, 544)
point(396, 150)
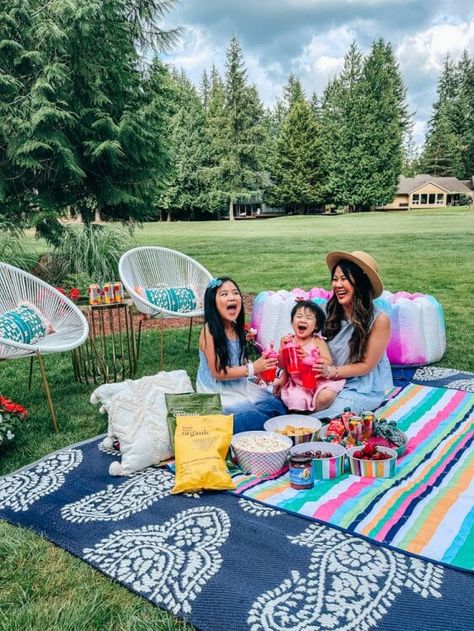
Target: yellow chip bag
point(201, 445)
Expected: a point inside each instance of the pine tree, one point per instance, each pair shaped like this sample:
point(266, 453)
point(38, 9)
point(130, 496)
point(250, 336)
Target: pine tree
point(340, 131)
point(78, 128)
point(184, 190)
point(235, 132)
point(383, 119)
point(297, 167)
point(452, 117)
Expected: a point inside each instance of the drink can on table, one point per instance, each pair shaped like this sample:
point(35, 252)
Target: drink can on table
point(355, 430)
point(108, 290)
point(94, 295)
point(118, 292)
point(368, 419)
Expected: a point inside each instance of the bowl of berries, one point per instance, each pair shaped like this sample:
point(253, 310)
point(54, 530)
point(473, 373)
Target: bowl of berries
point(372, 460)
point(328, 458)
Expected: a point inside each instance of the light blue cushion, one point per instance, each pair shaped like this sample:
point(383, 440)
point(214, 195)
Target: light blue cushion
point(23, 324)
point(179, 299)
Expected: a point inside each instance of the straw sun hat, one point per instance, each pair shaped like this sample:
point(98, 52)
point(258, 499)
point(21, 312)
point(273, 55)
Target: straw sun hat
point(366, 262)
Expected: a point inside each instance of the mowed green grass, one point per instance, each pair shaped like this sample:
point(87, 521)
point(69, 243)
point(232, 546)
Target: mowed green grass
point(41, 586)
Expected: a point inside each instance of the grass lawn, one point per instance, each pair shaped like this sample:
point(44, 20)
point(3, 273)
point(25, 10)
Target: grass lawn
point(43, 587)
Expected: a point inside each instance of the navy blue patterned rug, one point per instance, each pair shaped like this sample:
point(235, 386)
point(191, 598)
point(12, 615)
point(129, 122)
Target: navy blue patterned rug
point(435, 377)
point(227, 563)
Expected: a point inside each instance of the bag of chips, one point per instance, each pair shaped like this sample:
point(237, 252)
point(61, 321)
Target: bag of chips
point(190, 404)
point(201, 445)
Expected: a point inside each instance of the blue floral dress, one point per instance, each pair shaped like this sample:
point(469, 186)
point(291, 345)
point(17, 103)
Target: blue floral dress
point(359, 393)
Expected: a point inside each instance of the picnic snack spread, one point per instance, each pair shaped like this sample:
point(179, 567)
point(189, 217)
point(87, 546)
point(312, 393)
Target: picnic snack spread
point(351, 431)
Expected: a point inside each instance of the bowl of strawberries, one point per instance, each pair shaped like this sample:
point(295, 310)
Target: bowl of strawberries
point(372, 460)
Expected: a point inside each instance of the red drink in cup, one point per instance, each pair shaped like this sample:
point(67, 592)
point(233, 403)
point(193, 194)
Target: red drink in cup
point(290, 353)
point(269, 374)
point(308, 376)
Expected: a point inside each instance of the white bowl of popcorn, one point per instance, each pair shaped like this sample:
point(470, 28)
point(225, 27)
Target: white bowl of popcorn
point(261, 453)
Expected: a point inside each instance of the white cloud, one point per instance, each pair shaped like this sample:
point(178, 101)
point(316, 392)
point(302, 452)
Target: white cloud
point(322, 58)
point(425, 51)
point(195, 52)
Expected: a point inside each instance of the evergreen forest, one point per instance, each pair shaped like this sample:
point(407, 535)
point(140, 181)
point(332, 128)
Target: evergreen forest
point(94, 124)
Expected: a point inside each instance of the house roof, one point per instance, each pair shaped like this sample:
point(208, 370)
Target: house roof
point(407, 185)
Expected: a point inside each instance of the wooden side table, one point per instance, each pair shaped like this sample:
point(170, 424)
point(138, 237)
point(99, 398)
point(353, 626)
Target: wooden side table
point(110, 352)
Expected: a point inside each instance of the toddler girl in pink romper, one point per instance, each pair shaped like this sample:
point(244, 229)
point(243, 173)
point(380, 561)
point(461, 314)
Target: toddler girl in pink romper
point(307, 319)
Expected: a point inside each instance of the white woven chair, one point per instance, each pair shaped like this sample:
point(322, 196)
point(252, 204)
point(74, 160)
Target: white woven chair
point(70, 328)
point(156, 267)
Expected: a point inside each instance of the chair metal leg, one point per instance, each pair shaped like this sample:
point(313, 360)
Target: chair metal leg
point(189, 335)
point(30, 378)
point(48, 393)
point(161, 340)
point(100, 359)
point(140, 324)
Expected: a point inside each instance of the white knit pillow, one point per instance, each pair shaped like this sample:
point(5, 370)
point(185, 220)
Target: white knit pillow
point(137, 418)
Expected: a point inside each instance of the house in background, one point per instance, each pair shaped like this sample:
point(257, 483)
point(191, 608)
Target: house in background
point(256, 208)
point(423, 191)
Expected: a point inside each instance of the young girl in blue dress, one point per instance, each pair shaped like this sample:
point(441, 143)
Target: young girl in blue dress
point(223, 364)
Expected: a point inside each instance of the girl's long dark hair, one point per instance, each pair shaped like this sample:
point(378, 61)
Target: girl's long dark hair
point(216, 326)
point(362, 313)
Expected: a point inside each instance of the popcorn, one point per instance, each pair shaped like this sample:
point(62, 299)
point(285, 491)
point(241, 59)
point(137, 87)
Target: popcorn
point(259, 444)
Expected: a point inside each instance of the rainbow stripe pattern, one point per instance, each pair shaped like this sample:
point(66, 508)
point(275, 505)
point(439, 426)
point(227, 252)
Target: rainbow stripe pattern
point(426, 508)
point(328, 468)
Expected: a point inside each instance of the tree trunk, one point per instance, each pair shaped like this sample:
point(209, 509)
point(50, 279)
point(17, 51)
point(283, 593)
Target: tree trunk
point(231, 211)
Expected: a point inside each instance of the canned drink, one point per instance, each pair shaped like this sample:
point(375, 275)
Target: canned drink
point(368, 420)
point(108, 293)
point(94, 295)
point(118, 292)
point(355, 430)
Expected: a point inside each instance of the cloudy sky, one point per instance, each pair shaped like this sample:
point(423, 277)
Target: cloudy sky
point(311, 37)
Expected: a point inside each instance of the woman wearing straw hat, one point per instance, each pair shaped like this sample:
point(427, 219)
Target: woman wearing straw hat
point(357, 332)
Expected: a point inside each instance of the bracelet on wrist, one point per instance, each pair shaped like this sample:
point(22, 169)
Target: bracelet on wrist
point(249, 370)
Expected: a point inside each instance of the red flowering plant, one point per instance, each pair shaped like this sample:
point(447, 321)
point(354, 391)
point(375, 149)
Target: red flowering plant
point(74, 293)
point(253, 352)
point(11, 414)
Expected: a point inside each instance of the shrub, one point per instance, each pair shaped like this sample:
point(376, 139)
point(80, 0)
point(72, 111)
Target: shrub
point(86, 254)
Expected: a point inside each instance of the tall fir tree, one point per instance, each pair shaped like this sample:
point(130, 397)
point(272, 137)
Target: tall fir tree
point(297, 168)
point(382, 121)
point(78, 129)
point(340, 131)
point(451, 119)
point(236, 172)
point(183, 194)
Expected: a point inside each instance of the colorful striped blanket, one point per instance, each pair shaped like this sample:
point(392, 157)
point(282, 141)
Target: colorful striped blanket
point(427, 508)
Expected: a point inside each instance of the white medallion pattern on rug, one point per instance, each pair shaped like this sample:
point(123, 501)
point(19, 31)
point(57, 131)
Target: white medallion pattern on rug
point(22, 489)
point(461, 384)
point(113, 503)
point(432, 373)
point(110, 451)
point(258, 509)
point(349, 586)
point(169, 564)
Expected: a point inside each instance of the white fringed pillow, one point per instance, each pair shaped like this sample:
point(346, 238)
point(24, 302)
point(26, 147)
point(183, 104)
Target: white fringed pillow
point(137, 418)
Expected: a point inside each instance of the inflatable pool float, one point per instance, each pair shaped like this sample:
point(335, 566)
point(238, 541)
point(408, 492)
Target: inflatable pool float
point(418, 325)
